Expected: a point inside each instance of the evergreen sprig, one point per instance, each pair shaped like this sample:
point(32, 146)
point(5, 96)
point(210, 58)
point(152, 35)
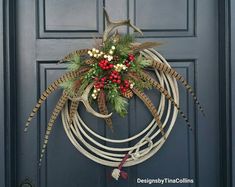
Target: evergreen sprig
point(75, 63)
point(124, 44)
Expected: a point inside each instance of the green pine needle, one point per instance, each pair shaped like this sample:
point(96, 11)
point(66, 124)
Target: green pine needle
point(120, 105)
point(75, 63)
point(145, 63)
point(126, 39)
point(122, 46)
point(68, 86)
point(118, 102)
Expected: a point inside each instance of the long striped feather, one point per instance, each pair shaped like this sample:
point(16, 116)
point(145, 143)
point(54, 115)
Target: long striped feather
point(159, 87)
point(168, 70)
point(89, 61)
point(54, 86)
point(151, 108)
point(72, 111)
point(70, 56)
point(59, 106)
point(103, 108)
point(145, 45)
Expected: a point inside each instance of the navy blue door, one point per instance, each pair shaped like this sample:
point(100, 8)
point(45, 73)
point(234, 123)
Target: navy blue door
point(46, 30)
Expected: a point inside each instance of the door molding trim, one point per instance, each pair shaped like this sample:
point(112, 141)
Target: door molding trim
point(7, 94)
point(232, 87)
point(227, 91)
point(2, 113)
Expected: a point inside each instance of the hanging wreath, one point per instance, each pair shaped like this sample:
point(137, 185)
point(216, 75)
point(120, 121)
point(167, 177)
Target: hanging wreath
point(111, 74)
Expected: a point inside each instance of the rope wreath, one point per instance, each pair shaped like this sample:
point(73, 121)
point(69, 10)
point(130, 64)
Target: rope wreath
point(114, 73)
point(138, 153)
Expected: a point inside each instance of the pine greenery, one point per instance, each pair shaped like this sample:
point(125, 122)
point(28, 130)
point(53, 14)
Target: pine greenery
point(75, 63)
point(123, 48)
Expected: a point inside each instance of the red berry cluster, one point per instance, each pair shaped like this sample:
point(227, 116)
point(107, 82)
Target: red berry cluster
point(100, 83)
point(125, 86)
point(115, 77)
point(130, 59)
point(105, 65)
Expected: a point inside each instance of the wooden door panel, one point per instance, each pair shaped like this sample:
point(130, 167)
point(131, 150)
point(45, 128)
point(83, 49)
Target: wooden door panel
point(49, 29)
point(167, 18)
point(69, 19)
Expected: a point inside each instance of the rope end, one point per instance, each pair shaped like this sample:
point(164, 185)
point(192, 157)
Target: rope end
point(116, 173)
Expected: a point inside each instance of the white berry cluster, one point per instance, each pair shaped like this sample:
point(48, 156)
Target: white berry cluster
point(108, 57)
point(95, 93)
point(97, 54)
point(112, 50)
point(120, 67)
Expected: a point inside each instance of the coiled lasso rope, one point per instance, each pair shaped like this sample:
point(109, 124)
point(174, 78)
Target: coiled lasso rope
point(126, 156)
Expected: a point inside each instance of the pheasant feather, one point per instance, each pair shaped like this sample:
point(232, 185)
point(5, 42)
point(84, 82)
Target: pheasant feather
point(145, 45)
point(103, 108)
point(159, 87)
point(90, 61)
point(168, 70)
point(151, 108)
point(73, 110)
point(59, 106)
point(54, 86)
point(71, 55)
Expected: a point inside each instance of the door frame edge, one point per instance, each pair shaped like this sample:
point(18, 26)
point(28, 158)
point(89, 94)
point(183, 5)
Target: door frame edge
point(227, 91)
point(7, 94)
point(232, 83)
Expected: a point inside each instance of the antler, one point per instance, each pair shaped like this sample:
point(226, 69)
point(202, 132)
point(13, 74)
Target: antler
point(84, 99)
point(113, 24)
